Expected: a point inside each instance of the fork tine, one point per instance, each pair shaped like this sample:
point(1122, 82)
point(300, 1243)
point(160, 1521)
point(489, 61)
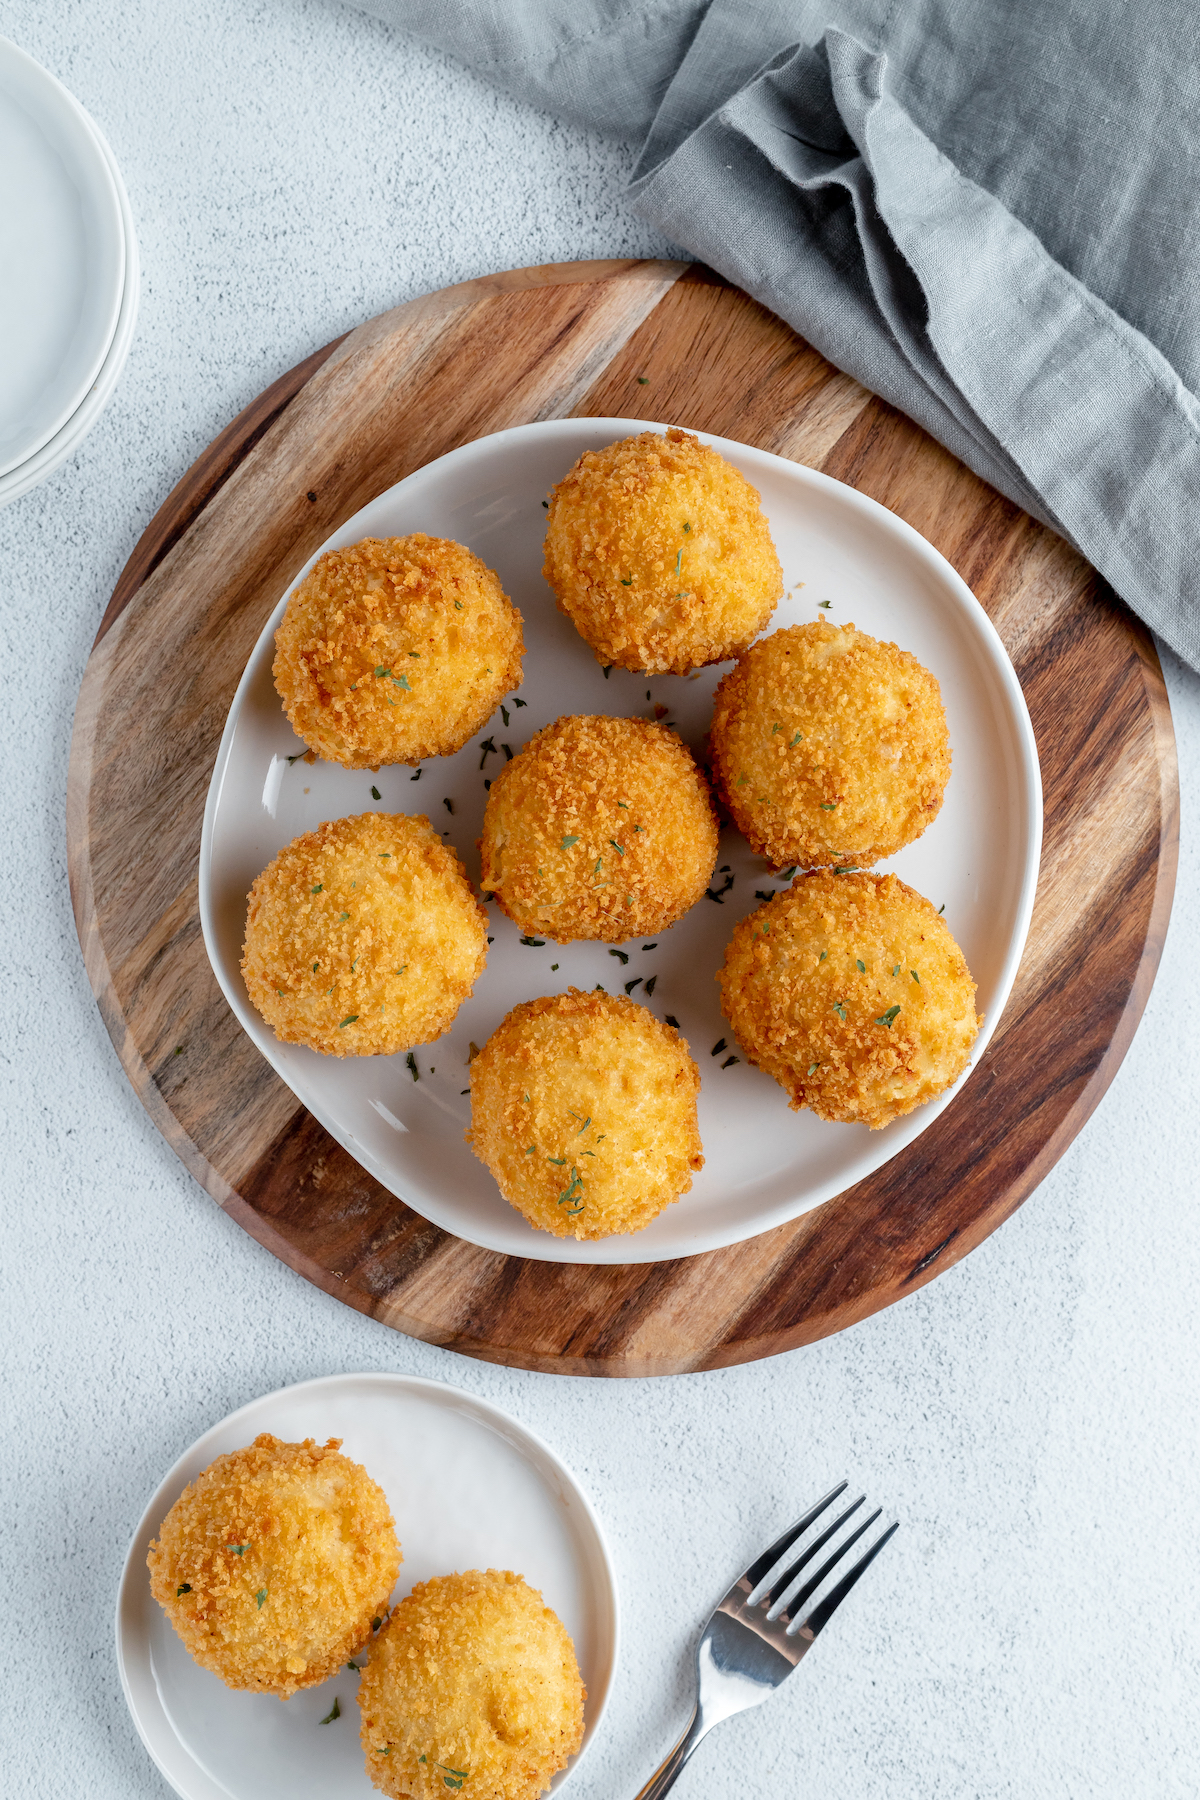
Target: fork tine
point(762, 1565)
point(822, 1613)
point(789, 1575)
point(809, 1588)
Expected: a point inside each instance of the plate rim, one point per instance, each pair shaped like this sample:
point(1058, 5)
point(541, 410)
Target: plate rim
point(112, 225)
point(157, 1503)
point(626, 1250)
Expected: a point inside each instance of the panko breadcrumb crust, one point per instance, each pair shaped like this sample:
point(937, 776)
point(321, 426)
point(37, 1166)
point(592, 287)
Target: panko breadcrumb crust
point(472, 1685)
point(829, 747)
point(363, 937)
point(852, 993)
point(658, 552)
point(273, 1563)
point(599, 828)
point(583, 1106)
point(396, 649)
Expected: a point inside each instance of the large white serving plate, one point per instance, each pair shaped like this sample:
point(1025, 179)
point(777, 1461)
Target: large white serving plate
point(469, 1488)
point(764, 1164)
point(62, 248)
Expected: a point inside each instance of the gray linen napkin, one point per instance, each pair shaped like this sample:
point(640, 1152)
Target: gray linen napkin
point(988, 211)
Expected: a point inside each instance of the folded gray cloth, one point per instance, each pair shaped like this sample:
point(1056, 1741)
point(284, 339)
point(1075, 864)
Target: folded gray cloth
point(988, 211)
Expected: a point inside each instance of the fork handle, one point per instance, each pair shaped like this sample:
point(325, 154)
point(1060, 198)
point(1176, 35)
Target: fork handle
point(663, 1778)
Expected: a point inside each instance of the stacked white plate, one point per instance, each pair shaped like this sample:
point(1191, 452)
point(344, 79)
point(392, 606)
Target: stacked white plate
point(69, 292)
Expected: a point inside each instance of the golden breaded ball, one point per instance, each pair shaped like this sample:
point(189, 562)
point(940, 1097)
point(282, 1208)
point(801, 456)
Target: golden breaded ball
point(599, 828)
point(829, 747)
point(851, 992)
point(363, 937)
point(583, 1106)
point(472, 1685)
point(272, 1565)
point(658, 553)
point(396, 649)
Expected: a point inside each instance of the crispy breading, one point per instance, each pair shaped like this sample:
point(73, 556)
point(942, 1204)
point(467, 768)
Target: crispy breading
point(658, 552)
point(599, 828)
point(273, 1563)
point(363, 937)
point(472, 1685)
point(828, 746)
point(851, 992)
point(583, 1106)
point(396, 649)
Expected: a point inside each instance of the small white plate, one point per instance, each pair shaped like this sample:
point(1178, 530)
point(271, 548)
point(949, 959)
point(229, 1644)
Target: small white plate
point(62, 245)
point(70, 436)
point(763, 1163)
point(469, 1488)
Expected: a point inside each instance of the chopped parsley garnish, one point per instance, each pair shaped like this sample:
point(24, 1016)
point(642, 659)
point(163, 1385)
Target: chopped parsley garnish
point(786, 874)
point(628, 583)
point(671, 1020)
point(630, 985)
point(415, 777)
point(619, 848)
point(796, 740)
point(458, 606)
point(375, 793)
point(679, 559)
point(730, 1060)
point(915, 976)
point(941, 909)
point(860, 965)
point(839, 1007)
point(822, 956)
point(546, 504)
point(828, 805)
point(895, 971)
point(489, 749)
point(560, 1161)
point(721, 1044)
point(888, 1017)
point(653, 946)
point(643, 381)
point(650, 985)
point(718, 894)
point(298, 755)
point(553, 966)
point(380, 671)
point(621, 955)
point(534, 943)
point(335, 1711)
point(508, 755)
point(813, 1067)
point(743, 781)
point(760, 895)
point(599, 865)
point(237, 1548)
point(517, 701)
point(318, 887)
point(504, 713)
point(355, 1666)
point(185, 1589)
point(260, 1597)
point(348, 1021)
point(449, 806)
point(607, 667)
point(569, 843)
point(572, 1198)
point(411, 1060)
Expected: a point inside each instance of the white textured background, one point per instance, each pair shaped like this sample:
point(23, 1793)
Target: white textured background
point(1030, 1417)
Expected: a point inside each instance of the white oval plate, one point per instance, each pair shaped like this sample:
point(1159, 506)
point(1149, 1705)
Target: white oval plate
point(469, 1488)
point(764, 1164)
point(67, 439)
point(62, 243)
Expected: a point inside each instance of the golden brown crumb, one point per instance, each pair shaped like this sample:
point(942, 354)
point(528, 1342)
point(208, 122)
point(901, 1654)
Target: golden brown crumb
point(583, 1106)
point(363, 937)
point(829, 747)
point(396, 649)
point(851, 992)
point(273, 1563)
point(472, 1685)
point(599, 828)
point(658, 552)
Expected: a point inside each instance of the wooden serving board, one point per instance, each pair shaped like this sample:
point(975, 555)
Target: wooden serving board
point(642, 339)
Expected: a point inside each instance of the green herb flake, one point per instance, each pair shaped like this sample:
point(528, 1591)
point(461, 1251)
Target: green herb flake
point(449, 806)
point(298, 755)
point(504, 714)
point(411, 1061)
point(650, 986)
point(534, 943)
point(318, 887)
point(628, 583)
point(786, 874)
point(721, 1044)
point(458, 606)
point(729, 1061)
point(860, 965)
point(822, 956)
point(572, 1196)
point(839, 1007)
point(941, 909)
point(185, 1589)
point(630, 985)
point(261, 1597)
point(351, 1019)
point(488, 748)
point(813, 1067)
point(546, 504)
point(607, 668)
point(619, 848)
point(888, 1018)
point(671, 1020)
point(335, 1711)
point(743, 781)
point(599, 865)
point(799, 738)
point(559, 1161)
point(237, 1549)
point(401, 681)
point(357, 1667)
point(895, 971)
point(517, 701)
point(828, 805)
point(375, 793)
point(622, 956)
point(643, 381)
point(825, 603)
point(553, 966)
point(569, 843)
point(915, 976)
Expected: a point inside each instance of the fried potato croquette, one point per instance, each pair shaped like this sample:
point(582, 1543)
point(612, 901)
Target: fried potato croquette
point(363, 937)
point(272, 1565)
point(658, 552)
point(829, 747)
point(851, 992)
point(583, 1106)
point(396, 649)
point(472, 1684)
point(599, 828)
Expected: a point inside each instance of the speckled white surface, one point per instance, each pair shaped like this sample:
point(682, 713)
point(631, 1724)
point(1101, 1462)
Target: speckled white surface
point(1030, 1418)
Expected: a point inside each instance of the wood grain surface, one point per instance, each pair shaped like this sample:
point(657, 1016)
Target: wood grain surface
point(356, 417)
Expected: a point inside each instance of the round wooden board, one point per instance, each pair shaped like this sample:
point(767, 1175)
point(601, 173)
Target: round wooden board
point(673, 342)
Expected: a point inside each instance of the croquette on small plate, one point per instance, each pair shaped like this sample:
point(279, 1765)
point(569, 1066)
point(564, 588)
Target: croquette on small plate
point(396, 649)
point(583, 1106)
point(273, 1563)
point(599, 828)
point(473, 1685)
point(829, 747)
point(658, 552)
point(852, 993)
point(363, 937)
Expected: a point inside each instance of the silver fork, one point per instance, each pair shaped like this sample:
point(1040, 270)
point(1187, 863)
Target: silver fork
point(764, 1625)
